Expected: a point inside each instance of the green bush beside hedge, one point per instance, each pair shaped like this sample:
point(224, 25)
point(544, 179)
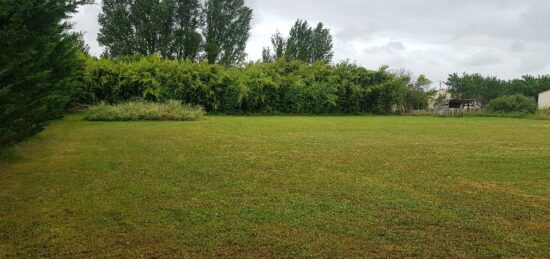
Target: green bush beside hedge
point(278, 87)
point(513, 104)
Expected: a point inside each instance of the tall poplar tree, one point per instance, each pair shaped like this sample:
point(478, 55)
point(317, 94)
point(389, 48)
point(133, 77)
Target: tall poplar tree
point(227, 31)
point(304, 43)
point(146, 27)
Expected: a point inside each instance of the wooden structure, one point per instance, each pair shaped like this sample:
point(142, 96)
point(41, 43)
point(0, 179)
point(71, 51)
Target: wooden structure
point(455, 107)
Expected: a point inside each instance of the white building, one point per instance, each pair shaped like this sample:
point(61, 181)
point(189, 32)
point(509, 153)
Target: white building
point(544, 100)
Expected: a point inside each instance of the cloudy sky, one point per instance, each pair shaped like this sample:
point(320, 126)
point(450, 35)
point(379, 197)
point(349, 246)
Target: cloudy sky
point(505, 38)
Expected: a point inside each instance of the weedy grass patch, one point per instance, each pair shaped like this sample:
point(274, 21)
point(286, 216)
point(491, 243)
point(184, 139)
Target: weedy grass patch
point(144, 111)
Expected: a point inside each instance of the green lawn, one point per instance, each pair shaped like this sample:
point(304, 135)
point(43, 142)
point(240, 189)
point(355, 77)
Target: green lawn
point(280, 187)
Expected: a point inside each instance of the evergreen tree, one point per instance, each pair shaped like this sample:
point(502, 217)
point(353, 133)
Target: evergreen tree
point(40, 65)
point(227, 31)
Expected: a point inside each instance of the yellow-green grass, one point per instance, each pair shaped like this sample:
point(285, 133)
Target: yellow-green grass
point(280, 187)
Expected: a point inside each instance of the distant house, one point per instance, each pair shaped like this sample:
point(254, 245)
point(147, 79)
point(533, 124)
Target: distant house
point(544, 100)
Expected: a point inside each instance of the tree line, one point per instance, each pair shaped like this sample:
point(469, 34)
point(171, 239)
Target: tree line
point(486, 88)
point(215, 31)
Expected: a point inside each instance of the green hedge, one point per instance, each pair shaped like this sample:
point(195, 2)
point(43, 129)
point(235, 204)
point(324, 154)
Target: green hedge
point(278, 87)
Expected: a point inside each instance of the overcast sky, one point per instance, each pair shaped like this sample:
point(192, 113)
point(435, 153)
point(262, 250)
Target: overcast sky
point(505, 38)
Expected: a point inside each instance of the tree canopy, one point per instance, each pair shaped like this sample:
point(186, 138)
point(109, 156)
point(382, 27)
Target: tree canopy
point(227, 31)
point(151, 27)
point(304, 43)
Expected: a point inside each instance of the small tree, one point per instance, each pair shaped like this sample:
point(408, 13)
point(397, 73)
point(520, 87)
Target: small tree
point(416, 97)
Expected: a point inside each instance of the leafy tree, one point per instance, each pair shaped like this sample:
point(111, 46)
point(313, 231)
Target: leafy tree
point(416, 97)
point(148, 27)
point(475, 86)
point(304, 43)
point(187, 19)
point(117, 31)
point(266, 55)
point(279, 45)
point(40, 67)
point(321, 44)
point(299, 42)
point(227, 31)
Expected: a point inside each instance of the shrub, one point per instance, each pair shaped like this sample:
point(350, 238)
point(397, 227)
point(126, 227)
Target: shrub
point(275, 87)
point(513, 104)
point(141, 110)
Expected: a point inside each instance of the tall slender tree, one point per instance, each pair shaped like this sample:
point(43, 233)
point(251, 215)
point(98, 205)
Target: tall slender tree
point(321, 44)
point(117, 31)
point(298, 45)
point(279, 45)
point(164, 27)
point(304, 43)
point(227, 31)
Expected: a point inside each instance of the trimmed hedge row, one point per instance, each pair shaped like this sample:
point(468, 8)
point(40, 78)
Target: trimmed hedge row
point(277, 87)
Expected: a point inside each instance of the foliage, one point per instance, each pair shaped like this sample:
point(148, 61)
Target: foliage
point(140, 110)
point(543, 114)
point(227, 31)
point(304, 43)
point(416, 97)
point(167, 28)
point(513, 104)
point(278, 87)
point(485, 89)
point(39, 68)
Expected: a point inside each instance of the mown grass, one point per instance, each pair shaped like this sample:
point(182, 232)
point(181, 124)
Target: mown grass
point(280, 187)
point(144, 111)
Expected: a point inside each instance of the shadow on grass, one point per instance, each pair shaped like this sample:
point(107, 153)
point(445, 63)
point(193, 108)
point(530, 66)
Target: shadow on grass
point(7, 154)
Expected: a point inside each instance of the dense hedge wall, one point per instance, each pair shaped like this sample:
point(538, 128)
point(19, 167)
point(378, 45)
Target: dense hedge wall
point(277, 87)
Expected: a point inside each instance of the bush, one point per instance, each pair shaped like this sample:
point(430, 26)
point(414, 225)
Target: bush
point(513, 104)
point(276, 87)
point(141, 110)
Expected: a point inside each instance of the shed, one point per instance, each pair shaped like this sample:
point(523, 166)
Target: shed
point(544, 100)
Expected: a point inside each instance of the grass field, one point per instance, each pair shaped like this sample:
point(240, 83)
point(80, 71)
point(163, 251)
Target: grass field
point(280, 187)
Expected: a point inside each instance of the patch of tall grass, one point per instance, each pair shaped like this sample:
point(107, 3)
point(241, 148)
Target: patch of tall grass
point(144, 111)
point(543, 114)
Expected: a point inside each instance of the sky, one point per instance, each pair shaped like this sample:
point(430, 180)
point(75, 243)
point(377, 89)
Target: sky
point(504, 38)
